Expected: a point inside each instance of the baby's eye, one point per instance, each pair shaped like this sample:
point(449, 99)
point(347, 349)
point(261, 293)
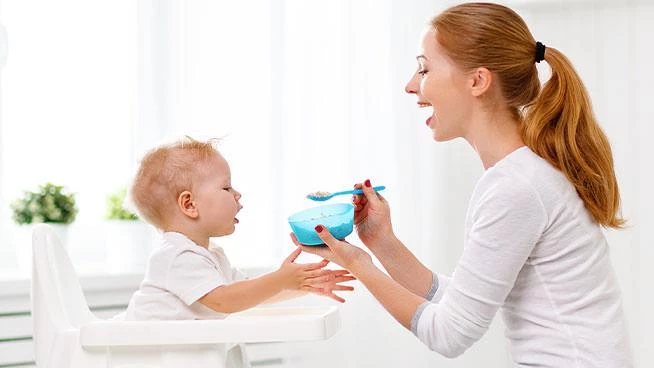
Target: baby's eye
point(227, 188)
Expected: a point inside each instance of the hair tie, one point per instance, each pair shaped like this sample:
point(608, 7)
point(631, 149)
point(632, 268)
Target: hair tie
point(540, 52)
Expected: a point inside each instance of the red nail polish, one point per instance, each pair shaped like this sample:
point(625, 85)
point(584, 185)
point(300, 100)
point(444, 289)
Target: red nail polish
point(367, 183)
point(319, 228)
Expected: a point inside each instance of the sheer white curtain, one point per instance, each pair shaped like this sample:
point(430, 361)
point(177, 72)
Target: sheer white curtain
point(67, 106)
point(308, 95)
point(207, 74)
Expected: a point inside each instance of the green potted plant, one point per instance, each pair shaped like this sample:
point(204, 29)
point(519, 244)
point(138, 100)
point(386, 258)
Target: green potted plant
point(51, 204)
point(128, 239)
point(115, 208)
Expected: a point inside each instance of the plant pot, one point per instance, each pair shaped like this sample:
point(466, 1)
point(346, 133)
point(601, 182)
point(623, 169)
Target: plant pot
point(22, 240)
point(62, 232)
point(128, 245)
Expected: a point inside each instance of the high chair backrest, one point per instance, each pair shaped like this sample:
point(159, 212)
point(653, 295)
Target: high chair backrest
point(58, 304)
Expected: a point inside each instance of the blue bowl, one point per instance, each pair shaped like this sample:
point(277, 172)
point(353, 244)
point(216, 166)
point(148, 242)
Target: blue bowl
point(337, 218)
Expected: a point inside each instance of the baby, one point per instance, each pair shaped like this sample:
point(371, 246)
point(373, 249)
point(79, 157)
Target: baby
point(184, 189)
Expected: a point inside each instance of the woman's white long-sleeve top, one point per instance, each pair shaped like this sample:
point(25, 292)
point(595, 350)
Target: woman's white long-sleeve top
point(532, 250)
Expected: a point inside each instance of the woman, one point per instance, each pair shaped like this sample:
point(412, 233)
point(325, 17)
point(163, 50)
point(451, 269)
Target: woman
point(533, 245)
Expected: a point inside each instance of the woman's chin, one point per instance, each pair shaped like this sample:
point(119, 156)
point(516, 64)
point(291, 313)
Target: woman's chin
point(437, 136)
point(440, 137)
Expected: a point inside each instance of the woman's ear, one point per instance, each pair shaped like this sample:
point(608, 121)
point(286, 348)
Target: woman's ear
point(186, 204)
point(480, 81)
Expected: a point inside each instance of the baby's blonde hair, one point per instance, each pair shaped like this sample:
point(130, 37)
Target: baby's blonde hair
point(165, 172)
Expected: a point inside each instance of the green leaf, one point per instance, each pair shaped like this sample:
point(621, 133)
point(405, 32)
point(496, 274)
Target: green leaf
point(115, 209)
point(51, 203)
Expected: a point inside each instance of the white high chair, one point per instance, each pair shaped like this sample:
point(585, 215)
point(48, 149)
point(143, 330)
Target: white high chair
point(68, 334)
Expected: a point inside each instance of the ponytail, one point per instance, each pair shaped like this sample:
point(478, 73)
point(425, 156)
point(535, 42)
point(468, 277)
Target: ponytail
point(559, 125)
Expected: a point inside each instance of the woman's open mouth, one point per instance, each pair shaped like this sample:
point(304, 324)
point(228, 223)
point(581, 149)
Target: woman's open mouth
point(422, 104)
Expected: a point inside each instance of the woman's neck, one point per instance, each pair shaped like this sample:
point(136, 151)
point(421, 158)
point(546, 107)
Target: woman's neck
point(494, 136)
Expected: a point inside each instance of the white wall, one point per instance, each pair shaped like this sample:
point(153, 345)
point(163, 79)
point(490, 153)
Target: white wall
point(610, 43)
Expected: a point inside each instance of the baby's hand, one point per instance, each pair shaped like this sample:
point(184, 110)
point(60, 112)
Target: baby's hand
point(312, 277)
point(326, 285)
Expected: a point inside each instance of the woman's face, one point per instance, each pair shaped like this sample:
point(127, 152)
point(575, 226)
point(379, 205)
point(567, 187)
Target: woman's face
point(441, 86)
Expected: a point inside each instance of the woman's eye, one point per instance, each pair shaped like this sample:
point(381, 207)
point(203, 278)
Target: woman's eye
point(422, 72)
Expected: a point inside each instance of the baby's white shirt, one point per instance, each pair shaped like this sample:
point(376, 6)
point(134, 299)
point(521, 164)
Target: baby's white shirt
point(532, 250)
point(179, 272)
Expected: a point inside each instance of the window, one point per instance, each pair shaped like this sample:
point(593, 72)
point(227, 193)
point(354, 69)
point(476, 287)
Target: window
point(68, 104)
point(89, 86)
point(291, 88)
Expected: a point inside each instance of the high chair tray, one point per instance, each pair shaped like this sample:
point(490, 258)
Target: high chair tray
point(255, 325)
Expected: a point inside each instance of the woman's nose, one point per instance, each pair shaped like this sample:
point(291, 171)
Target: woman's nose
point(412, 86)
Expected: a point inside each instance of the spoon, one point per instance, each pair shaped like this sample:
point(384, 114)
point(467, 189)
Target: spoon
point(323, 196)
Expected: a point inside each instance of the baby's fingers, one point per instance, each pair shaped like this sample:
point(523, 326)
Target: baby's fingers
point(325, 292)
point(336, 287)
point(331, 278)
point(328, 280)
point(319, 280)
point(317, 273)
point(293, 256)
point(340, 272)
point(342, 288)
point(334, 296)
point(339, 279)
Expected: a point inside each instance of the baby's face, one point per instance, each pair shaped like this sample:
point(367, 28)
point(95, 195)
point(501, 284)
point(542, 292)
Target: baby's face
point(216, 200)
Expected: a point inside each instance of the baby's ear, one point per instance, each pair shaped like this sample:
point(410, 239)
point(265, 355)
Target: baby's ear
point(186, 204)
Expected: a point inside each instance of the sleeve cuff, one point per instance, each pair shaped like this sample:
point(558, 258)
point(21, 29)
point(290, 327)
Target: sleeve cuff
point(199, 291)
point(441, 285)
point(238, 275)
point(416, 317)
point(434, 287)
